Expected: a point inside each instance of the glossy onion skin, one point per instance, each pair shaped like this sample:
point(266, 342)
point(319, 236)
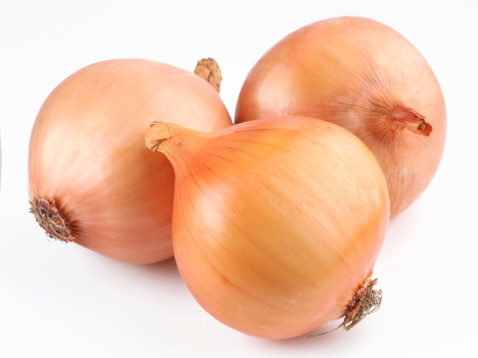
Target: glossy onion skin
point(276, 222)
point(353, 72)
point(87, 152)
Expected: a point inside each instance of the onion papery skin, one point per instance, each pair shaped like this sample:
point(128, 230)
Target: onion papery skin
point(366, 77)
point(276, 222)
point(87, 154)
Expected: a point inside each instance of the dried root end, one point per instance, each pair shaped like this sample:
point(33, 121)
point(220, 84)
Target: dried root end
point(365, 301)
point(51, 219)
point(208, 69)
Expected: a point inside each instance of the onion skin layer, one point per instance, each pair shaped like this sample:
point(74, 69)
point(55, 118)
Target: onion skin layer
point(365, 77)
point(87, 154)
point(277, 223)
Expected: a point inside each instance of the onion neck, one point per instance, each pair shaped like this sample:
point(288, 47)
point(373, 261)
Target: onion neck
point(157, 136)
point(402, 117)
point(51, 219)
point(169, 139)
point(209, 70)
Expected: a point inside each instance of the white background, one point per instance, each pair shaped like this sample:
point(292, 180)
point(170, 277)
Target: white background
point(59, 300)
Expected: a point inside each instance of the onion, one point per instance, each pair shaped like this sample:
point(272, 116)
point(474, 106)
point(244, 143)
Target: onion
point(364, 76)
point(277, 223)
point(91, 180)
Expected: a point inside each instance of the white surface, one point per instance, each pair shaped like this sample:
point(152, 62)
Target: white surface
point(59, 300)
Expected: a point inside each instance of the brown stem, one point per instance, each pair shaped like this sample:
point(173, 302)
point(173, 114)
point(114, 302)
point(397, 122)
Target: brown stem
point(365, 301)
point(208, 69)
point(404, 117)
point(51, 219)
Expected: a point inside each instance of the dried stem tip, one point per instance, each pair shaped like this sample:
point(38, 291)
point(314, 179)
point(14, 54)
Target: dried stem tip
point(406, 118)
point(365, 301)
point(51, 219)
point(157, 133)
point(208, 69)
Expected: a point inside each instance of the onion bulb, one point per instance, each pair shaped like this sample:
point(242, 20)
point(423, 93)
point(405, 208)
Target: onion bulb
point(91, 180)
point(277, 223)
point(365, 77)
